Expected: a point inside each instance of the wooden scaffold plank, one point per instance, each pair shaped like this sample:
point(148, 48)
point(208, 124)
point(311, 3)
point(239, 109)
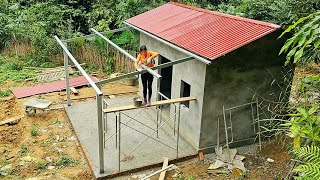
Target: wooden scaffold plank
point(156, 103)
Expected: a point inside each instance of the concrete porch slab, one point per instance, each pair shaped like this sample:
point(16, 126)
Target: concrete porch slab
point(83, 117)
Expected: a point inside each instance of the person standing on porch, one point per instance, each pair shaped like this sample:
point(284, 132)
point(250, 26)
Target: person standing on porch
point(146, 57)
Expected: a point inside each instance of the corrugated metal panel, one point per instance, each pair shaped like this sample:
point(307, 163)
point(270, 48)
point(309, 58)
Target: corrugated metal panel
point(51, 87)
point(206, 33)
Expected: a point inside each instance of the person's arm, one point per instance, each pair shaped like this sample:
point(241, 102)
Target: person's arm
point(136, 63)
point(153, 54)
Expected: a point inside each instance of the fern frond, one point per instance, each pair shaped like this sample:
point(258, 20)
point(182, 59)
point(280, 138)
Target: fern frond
point(308, 154)
point(308, 171)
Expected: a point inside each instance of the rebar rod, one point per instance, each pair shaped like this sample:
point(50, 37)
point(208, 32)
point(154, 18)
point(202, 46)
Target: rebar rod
point(147, 137)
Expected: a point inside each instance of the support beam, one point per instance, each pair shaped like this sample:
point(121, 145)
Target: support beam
point(156, 103)
point(83, 72)
point(93, 35)
point(100, 134)
point(66, 66)
point(137, 72)
point(204, 60)
point(126, 53)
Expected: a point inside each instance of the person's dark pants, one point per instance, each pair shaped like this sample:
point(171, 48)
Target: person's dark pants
point(147, 79)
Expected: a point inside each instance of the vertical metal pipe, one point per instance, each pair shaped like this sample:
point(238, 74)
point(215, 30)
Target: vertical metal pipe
point(66, 67)
point(116, 130)
point(158, 122)
point(160, 111)
point(225, 126)
point(100, 133)
point(253, 123)
point(258, 120)
point(119, 141)
point(175, 118)
point(178, 133)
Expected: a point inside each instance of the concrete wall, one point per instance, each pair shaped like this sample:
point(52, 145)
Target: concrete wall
point(192, 72)
point(233, 79)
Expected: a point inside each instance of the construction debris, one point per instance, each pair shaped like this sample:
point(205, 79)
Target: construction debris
point(163, 169)
point(163, 173)
point(227, 160)
point(11, 121)
point(201, 156)
point(74, 91)
point(270, 160)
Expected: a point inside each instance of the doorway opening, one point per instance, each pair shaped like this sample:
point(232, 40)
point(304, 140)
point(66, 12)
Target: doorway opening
point(166, 80)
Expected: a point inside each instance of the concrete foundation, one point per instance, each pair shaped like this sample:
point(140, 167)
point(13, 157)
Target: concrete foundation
point(84, 121)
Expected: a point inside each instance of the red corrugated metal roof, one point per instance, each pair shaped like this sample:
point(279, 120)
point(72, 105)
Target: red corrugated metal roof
point(52, 87)
point(206, 33)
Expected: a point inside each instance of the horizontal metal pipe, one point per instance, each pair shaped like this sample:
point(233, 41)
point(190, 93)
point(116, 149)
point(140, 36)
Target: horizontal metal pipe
point(83, 72)
point(137, 72)
point(235, 107)
point(126, 53)
point(93, 35)
point(171, 45)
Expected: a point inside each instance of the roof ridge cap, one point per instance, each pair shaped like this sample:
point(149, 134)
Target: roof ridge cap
point(262, 23)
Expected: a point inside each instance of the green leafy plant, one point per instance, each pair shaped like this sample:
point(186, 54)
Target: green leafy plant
point(310, 158)
point(305, 42)
point(65, 161)
point(311, 84)
point(56, 121)
point(41, 165)
point(34, 130)
point(304, 124)
point(23, 150)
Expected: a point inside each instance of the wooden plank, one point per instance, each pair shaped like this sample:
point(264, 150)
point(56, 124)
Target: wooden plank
point(11, 120)
point(74, 91)
point(165, 164)
point(156, 103)
point(201, 156)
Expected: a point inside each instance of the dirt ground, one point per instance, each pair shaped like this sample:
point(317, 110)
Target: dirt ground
point(44, 146)
point(257, 166)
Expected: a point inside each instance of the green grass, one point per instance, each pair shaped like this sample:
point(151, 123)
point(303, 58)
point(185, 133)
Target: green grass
point(41, 165)
point(34, 130)
point(56, 121)
point(65, 161)
point(13, 68)
point(23, 150)
point(5, 92)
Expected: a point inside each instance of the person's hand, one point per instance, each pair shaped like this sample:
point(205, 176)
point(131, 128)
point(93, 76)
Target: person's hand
point(149, 60)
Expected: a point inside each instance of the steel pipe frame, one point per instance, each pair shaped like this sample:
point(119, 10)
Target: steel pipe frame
point(93, 35)
point(204, 60)
point(144, 71)
point(126, 53)
point(98, 97)
point(83, 72)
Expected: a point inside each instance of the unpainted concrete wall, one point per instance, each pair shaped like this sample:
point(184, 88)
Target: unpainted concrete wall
point(192, 72)
point(233, 80)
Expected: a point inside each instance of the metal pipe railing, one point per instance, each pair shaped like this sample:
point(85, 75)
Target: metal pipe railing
point(143, 71)
point(126, 53)
point(93, 35)
point(204, 60)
